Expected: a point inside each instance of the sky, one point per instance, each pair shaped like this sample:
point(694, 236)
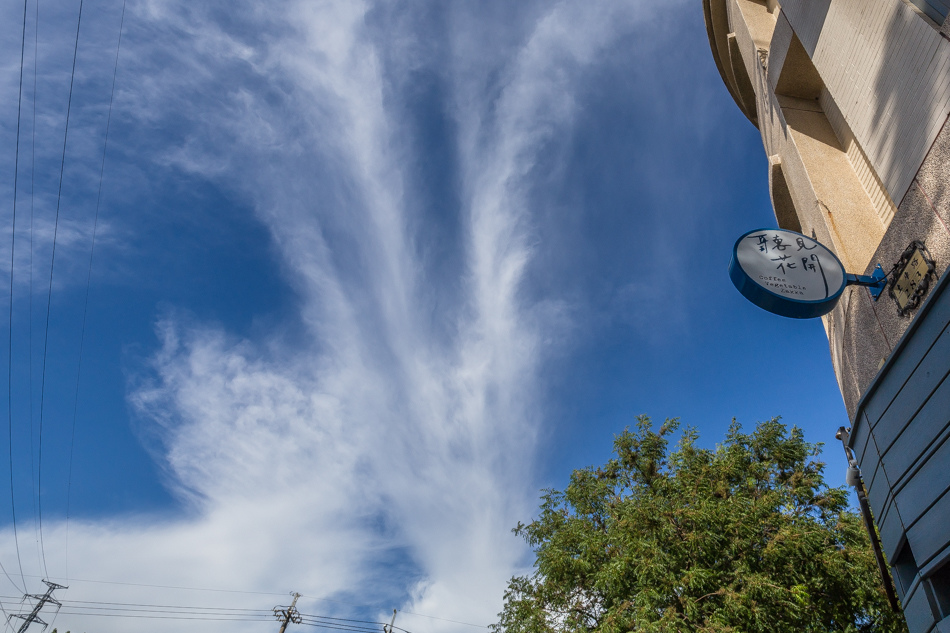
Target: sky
point(367, 277)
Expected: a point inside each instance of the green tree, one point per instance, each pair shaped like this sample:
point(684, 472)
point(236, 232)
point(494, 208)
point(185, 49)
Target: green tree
point(744, 538)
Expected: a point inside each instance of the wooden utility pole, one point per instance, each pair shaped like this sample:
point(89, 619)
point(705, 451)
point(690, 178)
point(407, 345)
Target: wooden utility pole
point(288, 615)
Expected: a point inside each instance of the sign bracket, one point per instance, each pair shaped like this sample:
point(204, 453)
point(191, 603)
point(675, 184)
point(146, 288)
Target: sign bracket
point(875, 283)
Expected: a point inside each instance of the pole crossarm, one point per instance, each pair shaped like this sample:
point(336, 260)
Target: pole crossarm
point(42, 601)
point(286, 615)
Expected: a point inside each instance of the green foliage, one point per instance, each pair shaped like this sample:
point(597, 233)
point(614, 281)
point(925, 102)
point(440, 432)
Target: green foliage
point(743, 538)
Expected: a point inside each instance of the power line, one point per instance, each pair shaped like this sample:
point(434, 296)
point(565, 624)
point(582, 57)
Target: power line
point(139, 584)
point(327, 617)
point(36, 57)
point(168, 617)
point(77, 603)
point(49, 297)
point(264, 593)
point(42, 601)
point(341, 628)
point(85, 307)
point(16, 177)
point(420, 615)
point(223, 614)
point(149, 610)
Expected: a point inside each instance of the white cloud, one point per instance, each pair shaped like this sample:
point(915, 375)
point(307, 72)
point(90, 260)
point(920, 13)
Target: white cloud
point(377, 461)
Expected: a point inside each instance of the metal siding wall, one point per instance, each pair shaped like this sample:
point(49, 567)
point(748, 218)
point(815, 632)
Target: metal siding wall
point(929, 423)
point(906, 416)
point(917, 611)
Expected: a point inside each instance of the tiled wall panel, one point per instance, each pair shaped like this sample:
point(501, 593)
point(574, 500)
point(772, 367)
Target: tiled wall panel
point(888, 70)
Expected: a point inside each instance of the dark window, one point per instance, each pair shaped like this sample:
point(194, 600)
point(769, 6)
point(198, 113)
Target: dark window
point(904, 567)
point(940, 584)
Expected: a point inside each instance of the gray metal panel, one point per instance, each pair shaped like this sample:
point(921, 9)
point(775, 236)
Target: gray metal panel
point(936, 563)
point(876, 484)
point(943, 626)
point(917, 611)
point(905, 360)
point(860, 434)
point(934, 9)
point(891, 529)
point(930, 534)
point(926, 486)
point(929, 424)
point(879, 493)
point(917, 388)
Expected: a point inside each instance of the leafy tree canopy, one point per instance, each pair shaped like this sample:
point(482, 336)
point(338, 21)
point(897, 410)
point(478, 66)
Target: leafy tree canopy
point(744, 538)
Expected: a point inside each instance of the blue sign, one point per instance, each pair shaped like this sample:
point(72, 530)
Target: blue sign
point(787, 273)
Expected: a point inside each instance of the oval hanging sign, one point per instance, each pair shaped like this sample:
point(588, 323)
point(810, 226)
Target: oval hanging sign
point(787, 273)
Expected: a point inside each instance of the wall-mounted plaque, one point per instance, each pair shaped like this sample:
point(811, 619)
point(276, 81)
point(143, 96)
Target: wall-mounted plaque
point(912, 279)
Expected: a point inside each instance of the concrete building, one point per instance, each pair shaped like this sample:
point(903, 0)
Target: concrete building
point(852, 99)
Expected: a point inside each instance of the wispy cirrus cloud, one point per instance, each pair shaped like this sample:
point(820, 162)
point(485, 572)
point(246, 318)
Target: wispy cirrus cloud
point(385, 454)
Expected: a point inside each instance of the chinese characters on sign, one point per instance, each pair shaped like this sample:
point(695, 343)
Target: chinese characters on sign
point(787, 273)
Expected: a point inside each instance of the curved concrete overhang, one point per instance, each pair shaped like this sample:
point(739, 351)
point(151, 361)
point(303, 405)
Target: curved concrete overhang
point(736, 79)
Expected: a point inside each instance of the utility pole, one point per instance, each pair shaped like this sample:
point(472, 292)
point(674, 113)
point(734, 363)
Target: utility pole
point(288, 615)
point(46, 598)
point(389, 629)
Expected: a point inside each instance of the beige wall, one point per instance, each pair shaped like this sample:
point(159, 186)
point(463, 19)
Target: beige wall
point(850, 97)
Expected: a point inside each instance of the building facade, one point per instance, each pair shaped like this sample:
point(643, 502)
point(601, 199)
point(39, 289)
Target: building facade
point(852, 99)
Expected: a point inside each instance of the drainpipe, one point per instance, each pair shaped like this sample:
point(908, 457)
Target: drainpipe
point(854, 478)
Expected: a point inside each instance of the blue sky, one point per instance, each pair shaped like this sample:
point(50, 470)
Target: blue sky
point(367, 277)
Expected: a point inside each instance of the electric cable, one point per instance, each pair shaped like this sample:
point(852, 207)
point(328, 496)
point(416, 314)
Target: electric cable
point(420, 615)
point(171, 617)
point(222, 614)
point(36, 57)
point(85, 307)
point(327, 617)
point(343, 627)
point(77, 603)
point(155, 608)
point(49, 297)
point(332, 627)
point(262, 593)
point(16, 176)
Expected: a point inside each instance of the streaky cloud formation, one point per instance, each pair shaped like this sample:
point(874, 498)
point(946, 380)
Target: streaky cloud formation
point(382, 454)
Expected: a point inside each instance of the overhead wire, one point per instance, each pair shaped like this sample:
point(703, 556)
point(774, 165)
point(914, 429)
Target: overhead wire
point(162, 611)
point(36, 40)
point(420, 615)
point(343, 626)
point(49, 297)
point(312, 620)
point(327, 617)
point(264, 593)
point(151, 610)
point(16, 177)
point(223, 614)
point(85, 307)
